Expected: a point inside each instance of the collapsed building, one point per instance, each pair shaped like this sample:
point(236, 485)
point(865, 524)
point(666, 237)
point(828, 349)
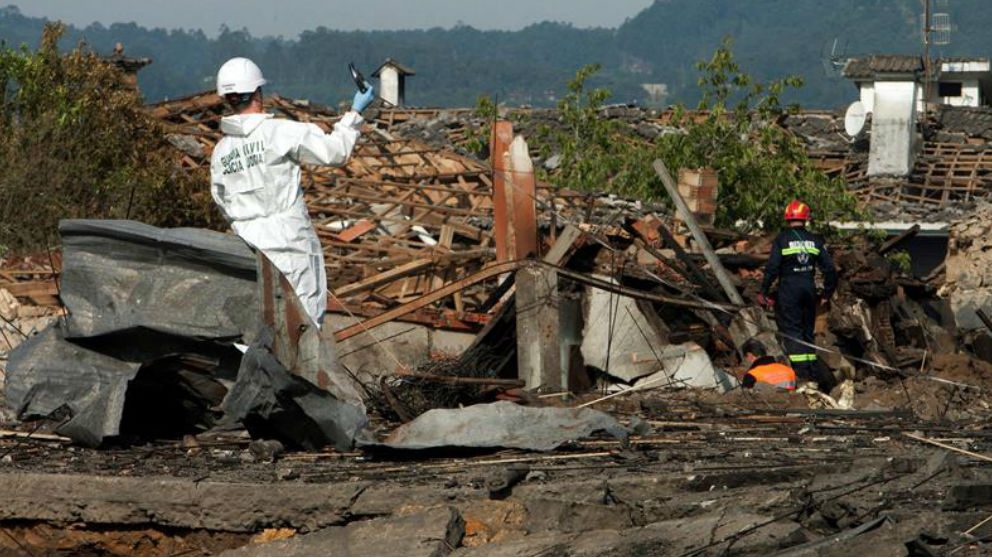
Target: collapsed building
point(458, 285)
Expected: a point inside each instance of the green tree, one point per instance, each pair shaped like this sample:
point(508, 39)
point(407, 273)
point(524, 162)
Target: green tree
point(595, 153)
point(762, 166)
point(735, 129)
point(76, 142)
point(486, 112)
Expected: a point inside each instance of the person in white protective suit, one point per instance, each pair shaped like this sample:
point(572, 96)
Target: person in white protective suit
point(255, 177)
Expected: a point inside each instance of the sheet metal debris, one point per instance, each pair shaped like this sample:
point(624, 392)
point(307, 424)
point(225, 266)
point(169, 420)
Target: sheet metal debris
point(499, 425)
point(146, 345)
point(121, 275)
point(47, 373)
point(272, 403)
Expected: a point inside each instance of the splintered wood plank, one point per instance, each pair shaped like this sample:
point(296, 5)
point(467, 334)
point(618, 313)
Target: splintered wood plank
point(356, 230)
point(414, 204)
point(31, 289)
point(444, 243)
point(424, 219)
point(946, 194)
point(447, 234)
point(383, 278)
point(440, 187)
point(459, 302)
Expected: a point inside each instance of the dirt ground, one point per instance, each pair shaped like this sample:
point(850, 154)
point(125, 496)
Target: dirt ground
point(745, 473)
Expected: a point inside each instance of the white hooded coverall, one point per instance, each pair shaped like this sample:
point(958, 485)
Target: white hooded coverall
point(255, 179)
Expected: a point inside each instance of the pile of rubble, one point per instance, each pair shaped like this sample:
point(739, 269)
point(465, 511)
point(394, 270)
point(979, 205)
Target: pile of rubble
point(631, 309)
point(28, 301)
point(19, 322)
point(474, 310)
point(635, 303)
point(969, 284)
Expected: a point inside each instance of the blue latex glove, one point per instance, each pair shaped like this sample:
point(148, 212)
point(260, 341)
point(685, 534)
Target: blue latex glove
point(363, 100)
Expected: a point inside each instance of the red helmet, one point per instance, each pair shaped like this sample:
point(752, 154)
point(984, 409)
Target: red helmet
point(797, 211)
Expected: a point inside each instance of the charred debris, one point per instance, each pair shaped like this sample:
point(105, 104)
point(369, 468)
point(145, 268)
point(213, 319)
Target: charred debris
point(474, 310)
point(456, 281)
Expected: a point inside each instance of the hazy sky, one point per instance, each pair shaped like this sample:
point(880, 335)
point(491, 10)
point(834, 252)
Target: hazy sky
point(289, 17)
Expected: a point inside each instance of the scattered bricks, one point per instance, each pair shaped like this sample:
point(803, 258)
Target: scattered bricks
point(648, 228)
point(699, 187)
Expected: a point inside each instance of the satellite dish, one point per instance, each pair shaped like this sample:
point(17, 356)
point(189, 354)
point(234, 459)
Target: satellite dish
point(854, 119)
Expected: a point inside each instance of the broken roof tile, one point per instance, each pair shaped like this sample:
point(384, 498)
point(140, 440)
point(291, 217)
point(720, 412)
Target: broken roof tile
point(869, 66)
point(404, 70)
point(973, 121)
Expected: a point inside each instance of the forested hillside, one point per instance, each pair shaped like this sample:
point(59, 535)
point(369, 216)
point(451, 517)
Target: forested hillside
point(772, 38)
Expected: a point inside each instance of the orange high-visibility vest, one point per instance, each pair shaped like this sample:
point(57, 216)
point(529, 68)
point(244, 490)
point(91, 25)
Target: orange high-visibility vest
point(778, 375)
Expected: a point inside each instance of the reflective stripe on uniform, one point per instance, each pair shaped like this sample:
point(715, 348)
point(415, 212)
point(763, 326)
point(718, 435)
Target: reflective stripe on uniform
point(806, 250)
point(803, 357)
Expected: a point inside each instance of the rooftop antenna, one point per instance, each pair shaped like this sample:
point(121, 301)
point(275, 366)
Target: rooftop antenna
point(936, 31)
point(833, 63)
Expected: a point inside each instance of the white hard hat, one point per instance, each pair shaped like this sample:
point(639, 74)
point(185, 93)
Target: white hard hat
point(239, 75)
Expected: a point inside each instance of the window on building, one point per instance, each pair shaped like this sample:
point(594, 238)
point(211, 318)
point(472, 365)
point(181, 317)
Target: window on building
point(949, 89)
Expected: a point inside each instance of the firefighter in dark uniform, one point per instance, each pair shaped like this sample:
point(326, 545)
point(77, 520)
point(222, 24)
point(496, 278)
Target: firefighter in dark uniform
point(794, 257)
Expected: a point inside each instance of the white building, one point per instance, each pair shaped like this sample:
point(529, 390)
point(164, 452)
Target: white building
point(892, 89)
point(962, 82)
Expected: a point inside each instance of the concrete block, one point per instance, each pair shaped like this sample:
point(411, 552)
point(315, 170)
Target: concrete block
point(573, 517)
point(410, 343)
point(570, 342)
point(982, 346)
point(172, 502)
point(688, 365)
point(753, 323)
point(618, 338)
point(492, 521)
point(538, 352)
point(966, 496)
point(965, 303)
point(547, 543)
point(449, 342)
